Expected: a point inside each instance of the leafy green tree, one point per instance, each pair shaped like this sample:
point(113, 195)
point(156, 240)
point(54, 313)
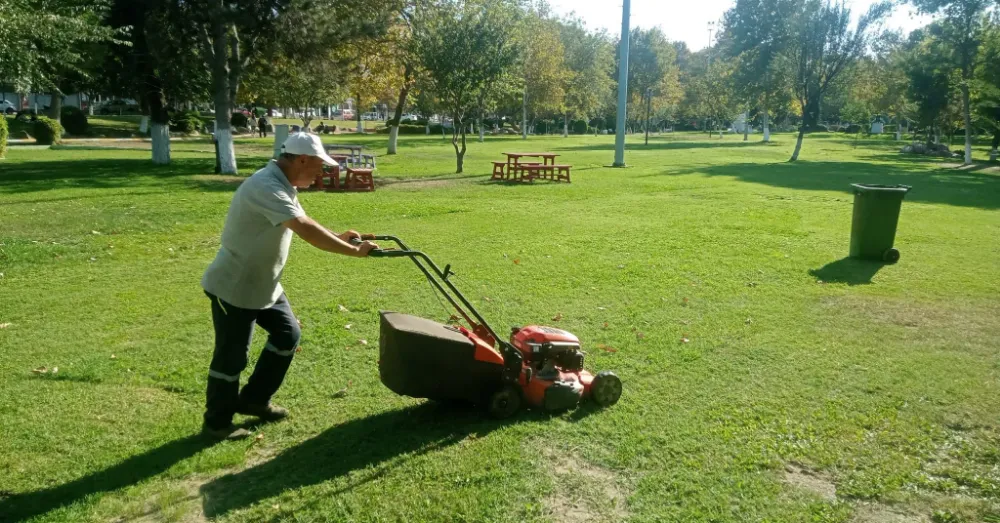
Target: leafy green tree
point(824, 46)
point(465, 47)
point(589, 61)
point(962, 29)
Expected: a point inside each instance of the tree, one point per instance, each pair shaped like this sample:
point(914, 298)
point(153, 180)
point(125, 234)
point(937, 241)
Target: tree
point(40, 51)
point(824, 46)
point(652, 72)
point(589, 61)
point(962, 29)
point(758, 34)
point(988, 96)
point(928, 66)
point(283, 82)
point(543, 70)
point(465, 47)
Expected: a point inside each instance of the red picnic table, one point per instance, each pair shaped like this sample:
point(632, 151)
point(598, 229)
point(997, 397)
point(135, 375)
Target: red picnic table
point(514, 168)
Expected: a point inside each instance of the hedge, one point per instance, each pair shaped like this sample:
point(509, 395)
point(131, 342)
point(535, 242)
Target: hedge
point(3, 136)
point(74, 121)
point(47, 131)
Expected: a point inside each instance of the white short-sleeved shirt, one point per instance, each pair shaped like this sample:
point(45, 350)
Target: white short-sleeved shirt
point(247, 270)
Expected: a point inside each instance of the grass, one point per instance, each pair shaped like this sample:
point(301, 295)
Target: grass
point(810, 388)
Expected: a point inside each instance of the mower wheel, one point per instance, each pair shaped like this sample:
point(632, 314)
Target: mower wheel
point(505, 402)
point(606, 388)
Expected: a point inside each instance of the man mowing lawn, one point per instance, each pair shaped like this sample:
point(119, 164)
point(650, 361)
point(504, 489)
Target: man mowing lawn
point(244, 284)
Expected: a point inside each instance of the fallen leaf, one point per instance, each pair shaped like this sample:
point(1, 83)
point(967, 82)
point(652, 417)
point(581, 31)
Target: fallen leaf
point(557, 317)
point(820, 282)
point(55, 370)
point(605, 325)
point(298, 349)
point(340, 393)
point(95, 233)
point(454, 317)
point(602, 308)
point(517, 261)
point(749, 320)
point(752, 284)
point(606, 348)
point(40, 370)
point(93, 259)
point(5, 325)
point(113, 356)
point(640, 335)
point(684, 302)
point(684, 339)
point(348, 326)
point(171, 249)
point(259, 437)
point(341, 308)
point(487, 298)
point(363, 342)
point(621, 266)
point(276, 507)
point(299, 322)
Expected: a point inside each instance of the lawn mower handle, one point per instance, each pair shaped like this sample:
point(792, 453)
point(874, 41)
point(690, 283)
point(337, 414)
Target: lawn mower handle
point(436, 276)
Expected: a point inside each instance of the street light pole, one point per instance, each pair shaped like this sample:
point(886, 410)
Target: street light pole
point(622, 87)
point(649, 106)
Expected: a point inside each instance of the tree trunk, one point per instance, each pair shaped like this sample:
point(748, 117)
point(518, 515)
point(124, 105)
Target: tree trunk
point(524, 114)
point(482, 132)
point(400, 105)
point(566, 125)
point(161, 143)
point(55, 106)
point(393, 139)
point(746, 126)
point(968, 123)
point(899, 130)
point(798, 144)
point(90, 104)
point(767, 128)
point(357, 113)
point(458, 129)
point(427, 129)
point(221, 97)
point(144, 124)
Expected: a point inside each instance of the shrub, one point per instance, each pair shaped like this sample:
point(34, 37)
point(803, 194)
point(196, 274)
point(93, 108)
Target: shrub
point(74, 121)
point(817, 129)
point(185, 122)
point(411, 129)
point(239, 120)
point(3, 136)
point(579, 127)
point(47, 131)
point(852, 129)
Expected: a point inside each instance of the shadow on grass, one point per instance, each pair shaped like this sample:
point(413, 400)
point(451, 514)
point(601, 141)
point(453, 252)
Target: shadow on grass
point(134, 470)
point(25, 177)
point(848, 270)
point(973, 188)
point(369, 445)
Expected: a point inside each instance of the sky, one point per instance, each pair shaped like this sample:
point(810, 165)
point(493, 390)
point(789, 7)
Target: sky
point(687, 20)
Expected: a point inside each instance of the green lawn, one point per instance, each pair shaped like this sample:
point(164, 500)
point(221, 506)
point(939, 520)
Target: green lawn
point(766, 377)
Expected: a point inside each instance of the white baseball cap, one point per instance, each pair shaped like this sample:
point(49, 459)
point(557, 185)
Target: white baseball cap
point(307, 144)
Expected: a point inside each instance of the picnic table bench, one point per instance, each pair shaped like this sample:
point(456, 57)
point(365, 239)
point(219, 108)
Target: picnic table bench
point(517, 170)
point(357, 178)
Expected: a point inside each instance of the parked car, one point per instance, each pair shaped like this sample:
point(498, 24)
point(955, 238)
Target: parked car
point(409, 118)
point(8, 107)
point(371, 116)
point(118, 107)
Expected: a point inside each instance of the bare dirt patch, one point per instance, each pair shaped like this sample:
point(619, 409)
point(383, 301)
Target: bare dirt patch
point(810, 481)
point(583, 492)
point(876, 513)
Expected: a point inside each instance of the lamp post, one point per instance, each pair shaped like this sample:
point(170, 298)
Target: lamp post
point(622, 88)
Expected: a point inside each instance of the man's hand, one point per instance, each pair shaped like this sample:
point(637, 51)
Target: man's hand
point(365, 247)
point(349, 235)
point(321, 238)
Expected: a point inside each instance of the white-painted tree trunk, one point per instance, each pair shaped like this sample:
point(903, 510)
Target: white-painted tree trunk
point(280, 135)
point(427, 129)
point(767, 127)
point(160, 134)
point(524, 114)
point(144, 125)
point(482, 132)
point(993, 155)
point(566, 125)
point(393, 139)
point(899, 131)
point(227, 153)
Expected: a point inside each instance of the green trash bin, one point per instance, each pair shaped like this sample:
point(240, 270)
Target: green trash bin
point(876, 214)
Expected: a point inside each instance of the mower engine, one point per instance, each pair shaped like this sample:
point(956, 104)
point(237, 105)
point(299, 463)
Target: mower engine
point(553, 376)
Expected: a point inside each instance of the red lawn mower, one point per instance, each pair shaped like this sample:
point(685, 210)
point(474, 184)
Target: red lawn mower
point(540, 366)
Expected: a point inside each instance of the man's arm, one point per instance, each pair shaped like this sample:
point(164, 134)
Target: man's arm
point(321, 238)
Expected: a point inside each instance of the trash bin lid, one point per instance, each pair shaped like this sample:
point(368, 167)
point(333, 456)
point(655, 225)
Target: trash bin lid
point(874, 187)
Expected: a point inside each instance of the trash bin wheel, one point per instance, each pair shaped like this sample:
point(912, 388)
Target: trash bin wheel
point(890, 255)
